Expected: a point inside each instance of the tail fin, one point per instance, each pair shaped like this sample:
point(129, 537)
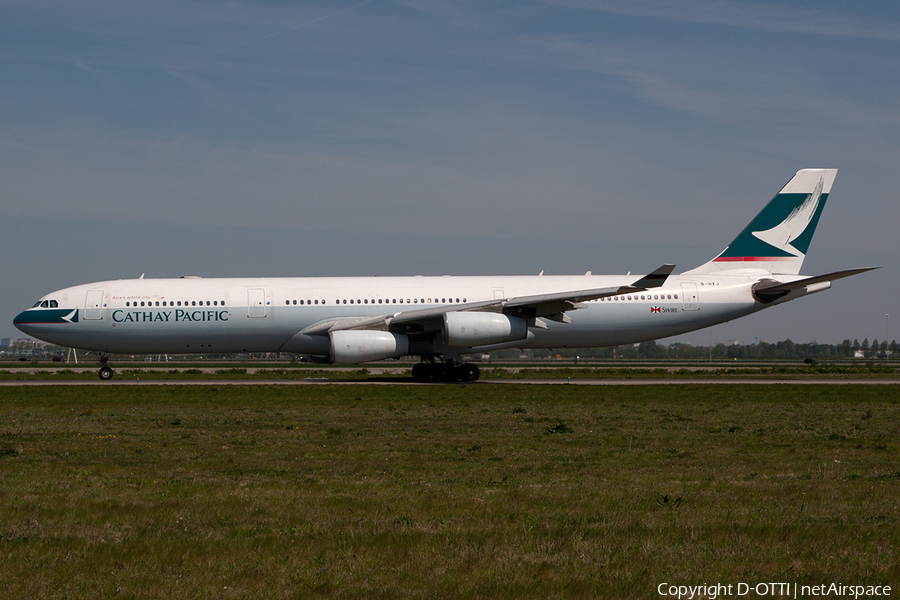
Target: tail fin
point(776, 241)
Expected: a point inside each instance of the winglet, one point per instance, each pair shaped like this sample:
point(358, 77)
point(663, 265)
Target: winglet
point(655, 279)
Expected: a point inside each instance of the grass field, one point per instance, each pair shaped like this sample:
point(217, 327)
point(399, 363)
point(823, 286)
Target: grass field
point(444, 491)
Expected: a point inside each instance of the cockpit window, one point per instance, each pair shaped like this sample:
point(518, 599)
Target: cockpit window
point(45, 304)
point(53, 304)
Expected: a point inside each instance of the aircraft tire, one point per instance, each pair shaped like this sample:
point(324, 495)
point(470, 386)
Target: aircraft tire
point(421, 372)
point(470, 372)
point(106, 373)
point(442, 372)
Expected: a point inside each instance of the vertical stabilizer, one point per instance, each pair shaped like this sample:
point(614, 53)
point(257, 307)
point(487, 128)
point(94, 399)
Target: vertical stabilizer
point(778, 238)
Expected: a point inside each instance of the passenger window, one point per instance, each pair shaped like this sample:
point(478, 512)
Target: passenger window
point(676, 296)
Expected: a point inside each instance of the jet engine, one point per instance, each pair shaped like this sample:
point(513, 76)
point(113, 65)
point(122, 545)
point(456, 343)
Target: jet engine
point(482, 328)
point(365, 346)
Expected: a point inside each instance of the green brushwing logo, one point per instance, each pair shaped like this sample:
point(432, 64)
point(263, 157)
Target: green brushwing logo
point(782, 230)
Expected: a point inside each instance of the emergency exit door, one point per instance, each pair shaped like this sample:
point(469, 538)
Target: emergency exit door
point(689, 294)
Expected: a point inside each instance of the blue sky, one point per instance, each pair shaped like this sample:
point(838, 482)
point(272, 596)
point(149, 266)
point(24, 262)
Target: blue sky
point(404, 137)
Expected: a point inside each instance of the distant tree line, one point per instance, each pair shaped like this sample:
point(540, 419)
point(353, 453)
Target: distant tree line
point(785, 350)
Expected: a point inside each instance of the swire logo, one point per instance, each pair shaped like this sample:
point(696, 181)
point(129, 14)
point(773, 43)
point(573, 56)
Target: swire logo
point(655, 309)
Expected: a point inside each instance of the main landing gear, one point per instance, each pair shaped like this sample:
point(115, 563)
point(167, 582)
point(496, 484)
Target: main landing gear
point(431, 370)
point(106, 373)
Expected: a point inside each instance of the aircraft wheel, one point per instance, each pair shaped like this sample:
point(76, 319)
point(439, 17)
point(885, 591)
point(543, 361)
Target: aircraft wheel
point(470, 372)
point(106, 373)
point(443, 372)
point(421, 372)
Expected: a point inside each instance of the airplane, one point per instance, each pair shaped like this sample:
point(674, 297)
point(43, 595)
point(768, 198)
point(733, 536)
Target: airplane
point(442, 319)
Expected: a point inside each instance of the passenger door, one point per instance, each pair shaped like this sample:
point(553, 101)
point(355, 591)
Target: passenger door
point(256, 302)
point(93, 305)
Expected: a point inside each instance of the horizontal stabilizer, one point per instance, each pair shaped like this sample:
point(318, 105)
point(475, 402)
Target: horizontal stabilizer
point(769, 290)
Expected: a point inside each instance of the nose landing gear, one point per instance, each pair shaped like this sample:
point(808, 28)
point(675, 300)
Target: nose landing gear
point(106, 373)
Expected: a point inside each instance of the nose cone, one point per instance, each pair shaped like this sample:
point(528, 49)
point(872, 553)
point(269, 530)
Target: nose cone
point(25, 322)
point(48, 324)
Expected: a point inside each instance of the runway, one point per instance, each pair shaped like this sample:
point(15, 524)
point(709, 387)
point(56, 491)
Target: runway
point(377, 381)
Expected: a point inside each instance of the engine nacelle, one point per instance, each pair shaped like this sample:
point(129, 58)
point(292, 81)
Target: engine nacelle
point(482, 328)
point(365, 346)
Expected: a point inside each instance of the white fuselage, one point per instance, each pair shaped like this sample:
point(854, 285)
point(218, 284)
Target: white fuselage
point(194, 315)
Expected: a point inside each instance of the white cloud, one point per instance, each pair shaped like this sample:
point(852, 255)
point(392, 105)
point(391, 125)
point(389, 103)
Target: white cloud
point(763, 16)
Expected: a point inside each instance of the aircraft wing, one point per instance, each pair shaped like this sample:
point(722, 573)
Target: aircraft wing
point(768, 290)
point(551, 306)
